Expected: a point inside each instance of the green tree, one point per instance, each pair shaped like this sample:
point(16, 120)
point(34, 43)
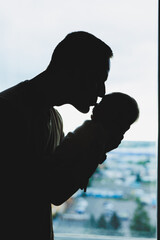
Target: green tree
point(115, 222)
point(141, 222)
point(102, 223)
point(93, 222)
point(138, 178)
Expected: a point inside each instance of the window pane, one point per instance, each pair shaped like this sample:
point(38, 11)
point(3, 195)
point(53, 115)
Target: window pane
point(121, 196)
point(123, 189)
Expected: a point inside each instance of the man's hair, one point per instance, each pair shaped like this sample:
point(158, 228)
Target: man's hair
point(116, 106)
point(80, 48)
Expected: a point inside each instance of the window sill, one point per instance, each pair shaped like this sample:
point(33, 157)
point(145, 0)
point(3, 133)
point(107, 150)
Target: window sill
point(69, 236)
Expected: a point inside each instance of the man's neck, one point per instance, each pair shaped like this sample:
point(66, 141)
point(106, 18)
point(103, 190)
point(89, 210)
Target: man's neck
point(46, 92)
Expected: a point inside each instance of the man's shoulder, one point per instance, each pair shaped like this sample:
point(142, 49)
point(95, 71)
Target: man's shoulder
point(14, 93)
point(9, 112)
point(4, 104)
point(13, 98)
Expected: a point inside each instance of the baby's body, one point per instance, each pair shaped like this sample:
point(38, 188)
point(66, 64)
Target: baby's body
point(111, 118)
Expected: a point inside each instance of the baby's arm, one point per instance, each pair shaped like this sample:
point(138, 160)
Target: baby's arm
point(88, 140)
point(82, 151)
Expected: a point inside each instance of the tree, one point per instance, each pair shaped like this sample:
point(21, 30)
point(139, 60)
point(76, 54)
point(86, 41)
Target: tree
point(138, 178)
point(102, 223)
point(93, 221)
point(141, 222)
point(115, 222)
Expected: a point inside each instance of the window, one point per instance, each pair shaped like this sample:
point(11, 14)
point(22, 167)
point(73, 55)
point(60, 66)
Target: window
point(124, 188)
point(120, 199)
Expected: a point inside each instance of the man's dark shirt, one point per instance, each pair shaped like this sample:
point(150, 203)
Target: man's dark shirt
point(28, 132)
point(34, 172)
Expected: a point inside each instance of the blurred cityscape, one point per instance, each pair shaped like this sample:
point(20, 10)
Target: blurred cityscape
point(121, 197)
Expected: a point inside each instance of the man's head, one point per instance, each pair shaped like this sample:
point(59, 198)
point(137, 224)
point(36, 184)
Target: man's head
point(81, 65)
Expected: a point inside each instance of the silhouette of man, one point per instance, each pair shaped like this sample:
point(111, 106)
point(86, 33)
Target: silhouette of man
point(34, 171)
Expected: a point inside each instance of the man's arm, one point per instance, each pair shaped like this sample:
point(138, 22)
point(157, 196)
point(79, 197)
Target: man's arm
point(74, 161)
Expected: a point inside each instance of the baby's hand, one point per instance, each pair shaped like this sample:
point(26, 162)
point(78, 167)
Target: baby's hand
point(113, 142)
point(103, 158)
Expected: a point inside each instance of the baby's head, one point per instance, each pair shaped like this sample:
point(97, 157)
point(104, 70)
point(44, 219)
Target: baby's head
point(117, 111)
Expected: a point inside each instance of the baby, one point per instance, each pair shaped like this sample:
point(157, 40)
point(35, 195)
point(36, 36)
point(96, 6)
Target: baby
point(88, 144)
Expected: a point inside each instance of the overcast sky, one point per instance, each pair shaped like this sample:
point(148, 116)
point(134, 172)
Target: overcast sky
point(31, 29)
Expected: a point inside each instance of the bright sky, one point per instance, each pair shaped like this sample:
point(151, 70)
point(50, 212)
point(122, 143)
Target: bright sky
point(30, 30)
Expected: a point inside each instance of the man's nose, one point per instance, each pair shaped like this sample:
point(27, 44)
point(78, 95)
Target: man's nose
point(101, 90)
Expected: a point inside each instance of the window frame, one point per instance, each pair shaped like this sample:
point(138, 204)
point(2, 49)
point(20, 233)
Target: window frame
point(158, 157)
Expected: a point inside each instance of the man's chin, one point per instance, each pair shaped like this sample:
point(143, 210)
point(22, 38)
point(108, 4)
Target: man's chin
point(83, 109)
